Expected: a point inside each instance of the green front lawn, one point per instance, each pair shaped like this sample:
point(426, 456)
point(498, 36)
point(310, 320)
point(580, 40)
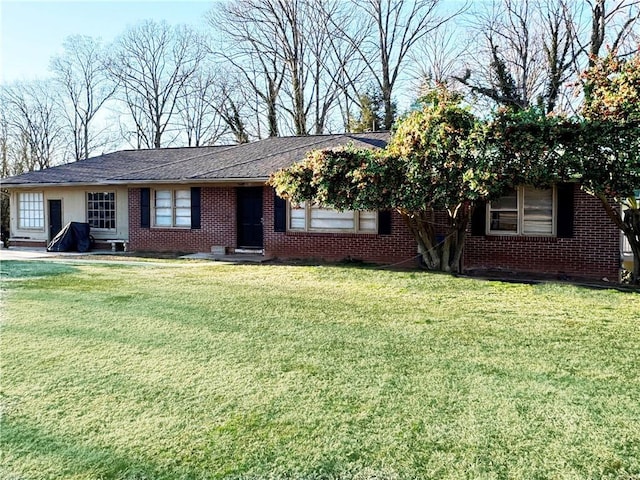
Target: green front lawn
point(199, 370)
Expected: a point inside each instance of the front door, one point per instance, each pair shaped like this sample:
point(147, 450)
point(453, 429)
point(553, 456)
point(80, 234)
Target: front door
point(249, 202)
point(55, 217)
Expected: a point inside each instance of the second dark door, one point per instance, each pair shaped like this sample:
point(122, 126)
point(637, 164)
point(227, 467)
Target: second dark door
point(55, 217)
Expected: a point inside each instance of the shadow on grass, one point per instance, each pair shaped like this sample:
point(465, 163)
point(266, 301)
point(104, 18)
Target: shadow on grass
point(503, 276)
point(63, 456)
point(16, 269)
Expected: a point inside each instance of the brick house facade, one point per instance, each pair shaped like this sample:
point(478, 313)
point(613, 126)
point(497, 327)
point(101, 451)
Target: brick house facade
point(592, 250)
point(210, 189)
point(219, 227)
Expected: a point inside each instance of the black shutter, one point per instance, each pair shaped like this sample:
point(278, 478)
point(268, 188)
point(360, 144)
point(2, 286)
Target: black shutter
point(384, 222)
point(145, 208)
point(479, 219)
point(564, 215)
point(195, 207)
point(279, 213)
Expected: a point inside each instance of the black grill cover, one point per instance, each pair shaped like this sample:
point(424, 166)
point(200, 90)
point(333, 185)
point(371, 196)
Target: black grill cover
point(73, 237)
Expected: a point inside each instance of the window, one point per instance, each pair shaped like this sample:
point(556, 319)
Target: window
point(31, 210)
point(312, 218)
point(172, 208)
point(101, 210)
point(523, 211)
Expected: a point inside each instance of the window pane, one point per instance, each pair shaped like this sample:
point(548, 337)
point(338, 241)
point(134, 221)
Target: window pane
point(183, 198)
point(538, 211)
point(297, 217)
point(183, 217)
point(163, 199)
point(31, 210)
point(101, 210)
point(507, 202)
point(326, 219)
point(183, 202)
point(163, 222)
point(504, 221)
point(368, 221)
point(164, 216)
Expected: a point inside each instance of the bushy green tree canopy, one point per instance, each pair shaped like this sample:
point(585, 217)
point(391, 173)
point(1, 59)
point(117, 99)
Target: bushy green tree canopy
point(442, 158)
point(429, 165)
point(610, 167)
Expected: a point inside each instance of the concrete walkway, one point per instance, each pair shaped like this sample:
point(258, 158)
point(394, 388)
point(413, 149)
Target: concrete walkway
point(29, 253)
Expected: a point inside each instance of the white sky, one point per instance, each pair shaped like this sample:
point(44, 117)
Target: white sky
point(31, 31)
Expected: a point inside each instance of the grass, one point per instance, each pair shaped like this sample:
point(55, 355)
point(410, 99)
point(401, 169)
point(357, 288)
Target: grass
point(219, 371)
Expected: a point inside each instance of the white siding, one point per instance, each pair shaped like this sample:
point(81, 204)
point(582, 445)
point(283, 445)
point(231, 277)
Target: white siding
point(74, 209)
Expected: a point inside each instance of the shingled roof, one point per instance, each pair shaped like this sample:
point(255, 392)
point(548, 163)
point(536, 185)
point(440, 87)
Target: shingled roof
point(247, 162)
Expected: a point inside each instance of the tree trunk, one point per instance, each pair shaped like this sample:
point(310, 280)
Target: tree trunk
point(441, 256)
point(85, 129)
point(630, 226)
point(461, 236)
point(421, 226)
point(388, 107)
point(272, 112)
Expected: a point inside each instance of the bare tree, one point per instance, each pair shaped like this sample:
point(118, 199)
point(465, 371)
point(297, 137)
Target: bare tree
point(252, 49)
point(230, 107)
point(557, 43)
point(5, 171)
point(332, 64)
point(36, 125)
point(612, 22)
point(438, 57)
point(5, 166)
point(80, 71)
point(234, 120)
point(394, 27)
point(152, 63)
point(291, 52)
point(344, 65)
point(197, 108)
point(509, 60)
point(533, 51)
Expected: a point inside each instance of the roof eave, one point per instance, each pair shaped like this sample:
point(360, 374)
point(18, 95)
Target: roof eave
point(182, 181)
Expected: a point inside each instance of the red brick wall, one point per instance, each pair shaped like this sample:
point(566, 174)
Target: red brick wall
point(27, 243)
point(593, 251)
point(399, 247)
point(218, 221)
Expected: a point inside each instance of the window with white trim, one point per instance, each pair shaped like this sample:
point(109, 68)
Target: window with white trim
point(31, 210)
point(308, 217)
point(101, 210)
point(523, 211)
point(172, 208)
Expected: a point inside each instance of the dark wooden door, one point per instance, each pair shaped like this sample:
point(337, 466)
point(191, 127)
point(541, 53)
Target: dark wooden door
point(249, 202)
point(55, 217)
